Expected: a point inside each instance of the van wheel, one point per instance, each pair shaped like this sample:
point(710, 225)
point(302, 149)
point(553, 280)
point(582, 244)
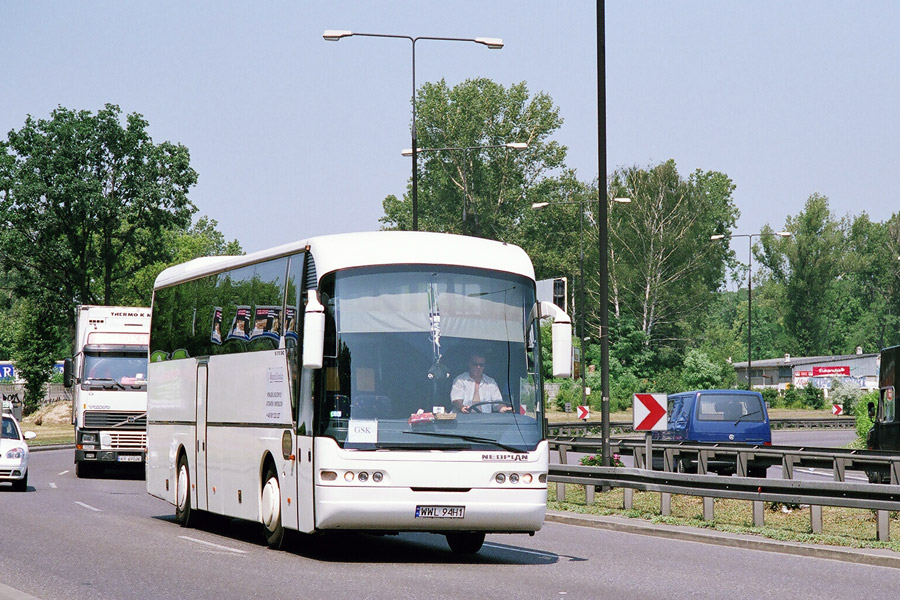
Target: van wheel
point(758, 472)
point(183, 493)
point(465, 542)
point(270, 509)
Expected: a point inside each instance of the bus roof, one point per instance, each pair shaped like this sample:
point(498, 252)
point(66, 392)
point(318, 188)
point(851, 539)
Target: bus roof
point(372, 248)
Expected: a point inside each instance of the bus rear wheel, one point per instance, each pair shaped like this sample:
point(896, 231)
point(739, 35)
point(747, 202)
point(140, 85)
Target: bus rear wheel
point(465, 542)
point(183, 493)
point(270, 509)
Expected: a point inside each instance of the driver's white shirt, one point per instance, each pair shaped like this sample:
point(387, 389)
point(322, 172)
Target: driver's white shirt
point(464, 389)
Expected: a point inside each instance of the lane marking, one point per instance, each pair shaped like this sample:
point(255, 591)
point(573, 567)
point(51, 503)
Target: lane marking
point(64, 472)
point(220, 547)
point(52, 485)
point(88, 506)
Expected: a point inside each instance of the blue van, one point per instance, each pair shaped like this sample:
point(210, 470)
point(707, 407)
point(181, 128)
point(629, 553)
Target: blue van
point(737, 416)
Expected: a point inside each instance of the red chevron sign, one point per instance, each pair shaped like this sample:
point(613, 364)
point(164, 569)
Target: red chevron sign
point(649, 412)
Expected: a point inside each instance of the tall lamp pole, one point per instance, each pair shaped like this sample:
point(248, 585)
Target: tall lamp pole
point(603, 229)
point(750, 237)
point(334, 35)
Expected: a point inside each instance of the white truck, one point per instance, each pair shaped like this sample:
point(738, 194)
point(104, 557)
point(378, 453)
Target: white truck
point(108, 378)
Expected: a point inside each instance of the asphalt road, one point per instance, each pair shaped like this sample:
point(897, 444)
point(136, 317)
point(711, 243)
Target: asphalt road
point(67, 538)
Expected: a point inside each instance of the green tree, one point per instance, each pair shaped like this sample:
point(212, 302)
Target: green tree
point(84, 201)
point(665, 270)
point(202, 239)
point(700, 373)
point(808, 264)
point(35, 340)
point(477, 189)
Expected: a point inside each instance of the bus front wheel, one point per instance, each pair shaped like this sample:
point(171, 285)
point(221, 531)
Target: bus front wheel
point(270, 509)
point(465, 542)
point(183, 493)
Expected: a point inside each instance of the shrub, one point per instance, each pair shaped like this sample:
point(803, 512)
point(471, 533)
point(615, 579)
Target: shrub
point(812, 397)
point(771, 397)
point(861, 412)
point(596, 460)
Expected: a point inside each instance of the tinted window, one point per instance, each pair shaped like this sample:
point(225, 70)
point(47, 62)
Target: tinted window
point(730, 407)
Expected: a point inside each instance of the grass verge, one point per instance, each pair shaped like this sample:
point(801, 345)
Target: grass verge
point(847, 527)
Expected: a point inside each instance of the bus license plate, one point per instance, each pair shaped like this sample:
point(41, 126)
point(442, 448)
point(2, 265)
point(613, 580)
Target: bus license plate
point(129, 458)
point(440, 512)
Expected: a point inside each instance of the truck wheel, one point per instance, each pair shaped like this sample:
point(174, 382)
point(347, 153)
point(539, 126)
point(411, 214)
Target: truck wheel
point(84, 470)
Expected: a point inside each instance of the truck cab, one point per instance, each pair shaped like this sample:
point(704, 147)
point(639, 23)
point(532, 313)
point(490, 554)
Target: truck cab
point(885, 432)
point(108, 379)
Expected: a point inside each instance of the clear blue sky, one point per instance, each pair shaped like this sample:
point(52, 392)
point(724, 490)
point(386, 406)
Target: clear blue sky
point(295, 136)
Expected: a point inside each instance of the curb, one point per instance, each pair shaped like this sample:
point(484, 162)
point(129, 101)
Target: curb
point(866, 556)
point(45, 447)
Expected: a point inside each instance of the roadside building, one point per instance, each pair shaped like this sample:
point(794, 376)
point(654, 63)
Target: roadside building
point(822, 371)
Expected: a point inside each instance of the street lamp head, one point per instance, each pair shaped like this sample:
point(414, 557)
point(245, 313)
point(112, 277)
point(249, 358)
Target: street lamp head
point(492, 43)
point(539, 204)
point(333, 35)
point(622, 200)
point(718, 236)
point(408, 151)
point(784, 233)
point(516, 145)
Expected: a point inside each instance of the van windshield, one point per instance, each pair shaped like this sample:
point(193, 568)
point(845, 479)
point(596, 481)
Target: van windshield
point(730, 407)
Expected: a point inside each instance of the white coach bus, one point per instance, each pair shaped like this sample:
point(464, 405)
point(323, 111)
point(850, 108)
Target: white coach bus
point(308, 387)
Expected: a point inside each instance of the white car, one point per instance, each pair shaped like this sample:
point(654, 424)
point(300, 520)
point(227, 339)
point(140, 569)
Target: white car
point(14, 453)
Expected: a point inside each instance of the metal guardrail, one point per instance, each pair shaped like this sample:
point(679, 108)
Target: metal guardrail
point(869, 496)
point(839, 460)
point(570, 428)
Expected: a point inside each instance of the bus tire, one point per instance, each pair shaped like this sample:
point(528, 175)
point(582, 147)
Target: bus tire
point(270, 509)
point(465, 542)
point(183, 493)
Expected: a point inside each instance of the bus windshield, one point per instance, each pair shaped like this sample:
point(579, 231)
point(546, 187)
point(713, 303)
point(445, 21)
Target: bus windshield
point(401, 342)
point(105, 369)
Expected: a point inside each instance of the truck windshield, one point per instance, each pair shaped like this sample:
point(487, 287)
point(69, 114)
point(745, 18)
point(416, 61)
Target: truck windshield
point(400, 342)
point(115, 369)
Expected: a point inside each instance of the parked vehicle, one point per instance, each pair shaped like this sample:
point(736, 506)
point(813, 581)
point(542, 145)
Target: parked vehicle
point(737, 416)
point(14, 453)
point(885, 432)
point(108, 376)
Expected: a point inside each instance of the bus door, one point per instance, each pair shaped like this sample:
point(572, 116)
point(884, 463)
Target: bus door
point(200, 476)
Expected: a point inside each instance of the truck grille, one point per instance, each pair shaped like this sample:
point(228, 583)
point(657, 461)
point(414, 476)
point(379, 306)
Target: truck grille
point(126, 440)
point(119, 420)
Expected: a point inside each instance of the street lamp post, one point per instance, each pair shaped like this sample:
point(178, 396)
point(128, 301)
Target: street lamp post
point(334, 35)
point(581, 303)
point(750, 237)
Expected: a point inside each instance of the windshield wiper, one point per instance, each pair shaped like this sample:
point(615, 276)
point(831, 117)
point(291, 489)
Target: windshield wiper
point(468, 438)
point(755, 412)
point(103, 381)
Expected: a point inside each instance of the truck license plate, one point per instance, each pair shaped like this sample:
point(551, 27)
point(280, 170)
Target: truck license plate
point(440, 512)
point(129, 458)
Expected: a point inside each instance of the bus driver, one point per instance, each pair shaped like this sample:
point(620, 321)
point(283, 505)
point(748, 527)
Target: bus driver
point(475, 388)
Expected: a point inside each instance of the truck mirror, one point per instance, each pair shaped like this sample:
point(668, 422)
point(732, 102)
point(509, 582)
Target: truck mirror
point(68, 374)
point(871, 408)
point(313, 333)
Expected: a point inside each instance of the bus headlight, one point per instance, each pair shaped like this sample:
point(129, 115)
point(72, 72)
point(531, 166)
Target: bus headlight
point(500, 478)
point(348, 476)
point(514, 478)
point(363, 477)
point(377, 476)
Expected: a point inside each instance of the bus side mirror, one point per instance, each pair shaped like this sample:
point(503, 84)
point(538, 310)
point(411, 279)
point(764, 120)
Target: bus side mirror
point(871, 408)
point(68, 373)
point(313, 333)
point(561, 334)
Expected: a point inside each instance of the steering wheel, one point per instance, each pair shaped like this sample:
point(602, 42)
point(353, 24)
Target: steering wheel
point(474, 407)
